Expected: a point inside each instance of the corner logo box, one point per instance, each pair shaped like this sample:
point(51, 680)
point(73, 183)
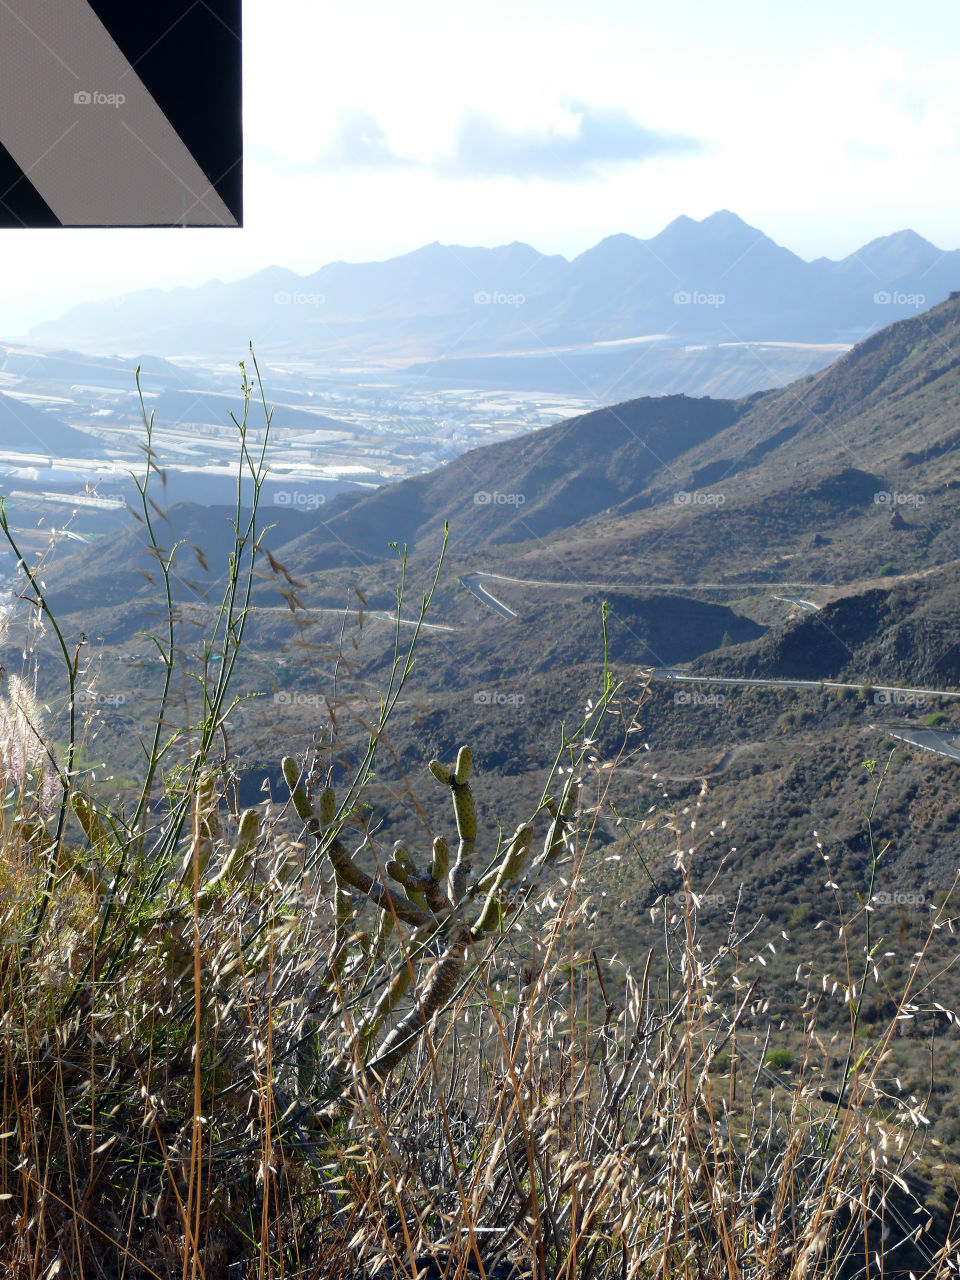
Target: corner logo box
point(120, 114)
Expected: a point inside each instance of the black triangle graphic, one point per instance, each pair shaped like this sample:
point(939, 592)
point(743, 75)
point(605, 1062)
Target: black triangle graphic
point(189, 57)
point(21, 204)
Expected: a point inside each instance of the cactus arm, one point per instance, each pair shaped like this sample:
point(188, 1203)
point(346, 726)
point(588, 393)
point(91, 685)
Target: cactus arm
point(438, 988)
point(440, 772)
point(562, 815)
point(400, 983)
point(238, 860)
point(441, 859)
point(464, 765)
point(384, 927)
point(348, 875)
point(401, 868)
point(465, 812)
point(511, 865)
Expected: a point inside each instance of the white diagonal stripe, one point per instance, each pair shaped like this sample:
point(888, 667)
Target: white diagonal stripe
point(95, 163)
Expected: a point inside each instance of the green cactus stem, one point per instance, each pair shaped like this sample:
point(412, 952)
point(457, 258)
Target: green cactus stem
point(440, 772)
point(502, 877)
point(94, 828)
point(328, 807)
point(238, 861)
point(464, 765)
point(562, 815)
point(401, 868)
point(441, 859)
point(346, 871)
point(466, 812)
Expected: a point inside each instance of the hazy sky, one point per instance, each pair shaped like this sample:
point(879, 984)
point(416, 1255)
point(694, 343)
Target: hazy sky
point(375, 127)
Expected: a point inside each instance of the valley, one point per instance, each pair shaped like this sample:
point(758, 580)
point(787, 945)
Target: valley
point(773, 580)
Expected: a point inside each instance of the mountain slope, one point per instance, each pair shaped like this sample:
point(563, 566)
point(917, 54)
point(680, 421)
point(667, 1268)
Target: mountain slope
point(524, 488)
point(836, 451)
point(24, 429)
point(830, 480)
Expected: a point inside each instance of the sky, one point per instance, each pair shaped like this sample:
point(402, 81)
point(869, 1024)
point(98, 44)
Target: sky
point(373, 128)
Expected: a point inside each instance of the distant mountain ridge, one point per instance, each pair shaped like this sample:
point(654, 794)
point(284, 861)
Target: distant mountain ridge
point(717, 280)
point(829, 479)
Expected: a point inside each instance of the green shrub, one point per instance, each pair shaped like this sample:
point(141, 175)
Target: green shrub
point(780, 1059)
point(798, 916)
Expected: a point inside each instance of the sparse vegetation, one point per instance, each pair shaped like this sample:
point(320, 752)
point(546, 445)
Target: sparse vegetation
point(249, 1040)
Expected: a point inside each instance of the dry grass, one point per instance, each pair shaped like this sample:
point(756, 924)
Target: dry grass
point(188, 1088)
point(260, 1045)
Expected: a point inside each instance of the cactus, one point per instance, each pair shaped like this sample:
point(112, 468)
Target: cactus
point(328, 807)
point(402, 869)
point(466, 813)
point(431, 905)
point(291, 775)
point(441, 859)
point(238, 861)
point(94, 827)
point(502, 877)
point(562, 814)
point(440, 772)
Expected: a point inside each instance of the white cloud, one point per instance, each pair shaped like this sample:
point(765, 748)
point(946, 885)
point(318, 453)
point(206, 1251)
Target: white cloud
point(822, 140)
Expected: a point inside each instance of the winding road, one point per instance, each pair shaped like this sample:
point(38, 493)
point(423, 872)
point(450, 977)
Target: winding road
point(806, 605)
point(474, 584)
point(924, 738)
point(941, 744)
point(671, 673)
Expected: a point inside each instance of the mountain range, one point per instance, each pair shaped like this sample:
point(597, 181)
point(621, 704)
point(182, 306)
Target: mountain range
point(831, 480)
point(714, 281)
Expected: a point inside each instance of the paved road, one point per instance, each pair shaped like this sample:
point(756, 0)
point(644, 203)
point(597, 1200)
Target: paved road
point(672, 674)
point(941, 744)
point(806, 605)
point(380, 615)
point(474, 584)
